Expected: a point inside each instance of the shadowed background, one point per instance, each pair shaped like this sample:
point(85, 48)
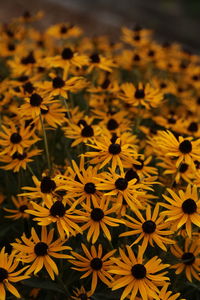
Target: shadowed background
point(173, 20)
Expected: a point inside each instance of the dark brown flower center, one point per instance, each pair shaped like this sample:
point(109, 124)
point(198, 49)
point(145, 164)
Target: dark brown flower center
point(29, 59)
point(183, 168)
point(96, 264)
point(139, 271)
point(97, 214)
point(35, 100)
point(188, 258)
point(121, 184)
point(28, 87)
point(87, 131)
point(136, 57)
point(95, 58)
point(11, 47)
point(90, 188)
point(57, 209)
point(189, 206)
point(185, 147)
point(63, 29)
point(22, 208)
point(112, 124)
point(131, 174)
point(163, 85)
point(67, 53)
point(15, 138)
point(139, 167)
point(171, 120)
point(47, 185)
point(3, 274)
point(193, 127)
point(40, 249)
point(139, 94)
point(58, 82)
point(151, 53)
point(137, 37)
point(149, 226)
point(114, 149)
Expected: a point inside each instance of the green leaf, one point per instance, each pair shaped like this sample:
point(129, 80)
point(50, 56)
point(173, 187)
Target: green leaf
point(43, 284)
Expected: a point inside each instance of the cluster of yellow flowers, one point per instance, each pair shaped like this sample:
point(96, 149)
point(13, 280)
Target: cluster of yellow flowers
point(100, 165)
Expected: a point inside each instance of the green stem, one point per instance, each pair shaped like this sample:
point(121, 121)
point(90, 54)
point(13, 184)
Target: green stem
point(67, 109)
point(30, 170)
point(46, 144)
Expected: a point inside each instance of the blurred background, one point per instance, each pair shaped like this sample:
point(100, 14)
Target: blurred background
point(173, 20)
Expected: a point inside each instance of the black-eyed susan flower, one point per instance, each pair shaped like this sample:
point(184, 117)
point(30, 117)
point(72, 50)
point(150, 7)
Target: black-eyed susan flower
point(183, 208)
point(114, 150)
point(81, 294)
point(21, 204)
point(64, 31)
point(67, 58)
point(150, 228)
point(61, 86)
point(137, 36)
point(99, 61)
point(145, 95)
point(189, 259)
point(143, 167)
point(83, 185)
point(19, 161)
point(53, 115)
point(9, 275)
point(94, 263)
point(39, 251)
point(122, 187)
point(165, 294)
point(98, 218)
point(137, 276)
point(26, 64)
point(183, 149)
point(43, 189)
point(184, 172)
point(15, 139)
point(113, 121)
point(56, 212)
point(82, 132)
point(33, 105)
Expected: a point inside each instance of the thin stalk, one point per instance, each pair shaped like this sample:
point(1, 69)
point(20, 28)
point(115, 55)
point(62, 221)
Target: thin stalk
point(67, 109)
point(46, 145)
point(30, 170)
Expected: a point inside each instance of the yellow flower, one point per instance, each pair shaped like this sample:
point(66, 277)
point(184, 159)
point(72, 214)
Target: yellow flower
point(142, 95)
point(55, 211)
point(16, 138)
point(95, 263)
point(183, 208)
point(150, 229)
point(136, 276)
point(8, 264)
point(189, 259)
point(21, 203)
point(39, 251)
point(97, 218)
